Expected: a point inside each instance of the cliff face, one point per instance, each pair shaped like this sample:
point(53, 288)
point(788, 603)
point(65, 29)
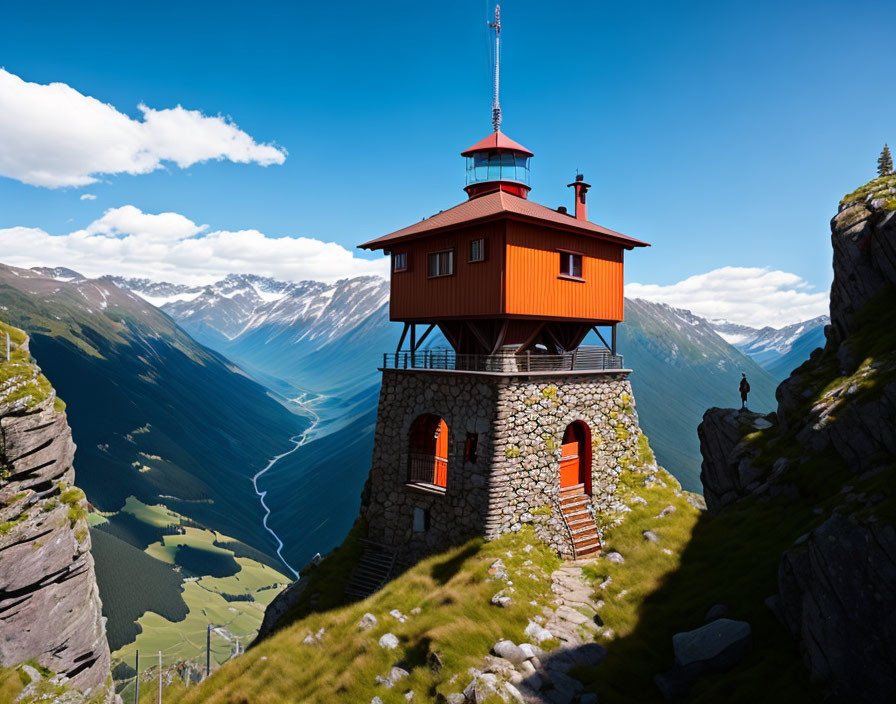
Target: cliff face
point(830, 450)
point(50, 609)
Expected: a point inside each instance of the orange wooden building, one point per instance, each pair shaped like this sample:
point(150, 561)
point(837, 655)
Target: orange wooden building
point(500, 273)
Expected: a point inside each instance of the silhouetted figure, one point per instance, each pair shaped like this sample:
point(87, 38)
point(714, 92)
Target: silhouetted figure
point(744, 390)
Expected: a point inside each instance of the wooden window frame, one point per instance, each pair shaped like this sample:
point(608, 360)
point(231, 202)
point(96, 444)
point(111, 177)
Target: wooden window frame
point(395, 269)
point(450, 251)
point(570, 277)
point(484, 257)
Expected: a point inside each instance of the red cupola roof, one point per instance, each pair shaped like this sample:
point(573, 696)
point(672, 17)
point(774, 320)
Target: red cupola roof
point(496, 140)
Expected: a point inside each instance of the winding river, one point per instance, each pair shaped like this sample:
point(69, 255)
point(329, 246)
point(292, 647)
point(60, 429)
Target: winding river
point(298, 441)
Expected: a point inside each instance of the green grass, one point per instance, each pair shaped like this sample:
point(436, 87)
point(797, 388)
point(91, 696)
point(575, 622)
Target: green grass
point(174, 617)
point(455, 620)
point(730, 559)
point(880, 187)
point(13, 681)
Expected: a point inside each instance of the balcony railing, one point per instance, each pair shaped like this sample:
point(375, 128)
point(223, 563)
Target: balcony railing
point(426, 469)
point(583, 359)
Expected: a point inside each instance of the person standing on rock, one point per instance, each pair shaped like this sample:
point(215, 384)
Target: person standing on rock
point(744, 390)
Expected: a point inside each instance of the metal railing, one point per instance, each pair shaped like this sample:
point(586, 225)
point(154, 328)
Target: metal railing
point(422, 468)
point(584, 359)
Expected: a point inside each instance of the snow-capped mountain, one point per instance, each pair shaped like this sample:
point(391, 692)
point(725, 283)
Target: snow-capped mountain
point(780, 340)
point(60, 273)
point(779, 350)
point(732, 332)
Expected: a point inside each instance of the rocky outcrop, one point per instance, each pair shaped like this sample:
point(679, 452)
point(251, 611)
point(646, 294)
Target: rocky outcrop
point(727, 472)
point(50, 609)
point(837, 591)
point(863, 235)
point(837, 412)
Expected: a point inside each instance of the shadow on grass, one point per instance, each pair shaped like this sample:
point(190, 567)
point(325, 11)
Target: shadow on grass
point(731, 559)
point(444, 571)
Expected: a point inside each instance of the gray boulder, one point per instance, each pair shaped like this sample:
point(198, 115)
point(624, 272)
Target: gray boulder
point(717, 646)
point(837, 589)
point(509, 651)
point(483, 686)
point(388, 641)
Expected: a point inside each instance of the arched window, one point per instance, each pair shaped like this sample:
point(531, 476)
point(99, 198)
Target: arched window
point(575, 460)
point(428, 451)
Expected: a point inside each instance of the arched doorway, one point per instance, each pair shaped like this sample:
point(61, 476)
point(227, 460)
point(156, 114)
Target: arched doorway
point(428, 451)
point(575, 459)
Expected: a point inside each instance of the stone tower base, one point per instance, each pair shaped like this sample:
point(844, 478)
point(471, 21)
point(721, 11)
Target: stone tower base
point(505, 432)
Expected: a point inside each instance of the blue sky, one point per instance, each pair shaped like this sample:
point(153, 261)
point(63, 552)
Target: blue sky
point(723, 133)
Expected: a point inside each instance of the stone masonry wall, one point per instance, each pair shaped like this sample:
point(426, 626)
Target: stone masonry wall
point(520, 424)
point(532, 417)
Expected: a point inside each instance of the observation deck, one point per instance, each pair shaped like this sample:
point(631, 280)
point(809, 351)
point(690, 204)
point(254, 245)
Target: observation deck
point(585, 359)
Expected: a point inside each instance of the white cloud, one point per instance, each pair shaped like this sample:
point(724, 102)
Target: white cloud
point(88, 196)
point(747, 296)
point(52, 135)
point(170, 247)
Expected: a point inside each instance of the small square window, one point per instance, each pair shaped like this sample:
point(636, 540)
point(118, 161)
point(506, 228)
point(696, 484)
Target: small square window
point(400, 261)
point(477, 250)
point(571, 265)
point(471, 448)
point(440, 263)
point(421, 520)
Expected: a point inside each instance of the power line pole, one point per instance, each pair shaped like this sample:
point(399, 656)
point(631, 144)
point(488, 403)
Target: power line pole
point(137, 677)
point(160, 677)
point(208, 649)
point(8, 347)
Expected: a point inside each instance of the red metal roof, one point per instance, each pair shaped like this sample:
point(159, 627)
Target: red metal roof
point(494, 206)
point(496, 140)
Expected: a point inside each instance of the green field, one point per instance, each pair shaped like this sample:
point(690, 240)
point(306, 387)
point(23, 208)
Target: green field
point(178, 605)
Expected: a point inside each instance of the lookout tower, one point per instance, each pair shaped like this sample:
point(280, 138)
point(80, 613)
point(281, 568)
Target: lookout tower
point(507, 419)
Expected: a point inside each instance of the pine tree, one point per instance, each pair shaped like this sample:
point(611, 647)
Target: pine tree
point(885, 162)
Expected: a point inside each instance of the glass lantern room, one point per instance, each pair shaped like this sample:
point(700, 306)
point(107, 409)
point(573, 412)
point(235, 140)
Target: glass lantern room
point(497, 166)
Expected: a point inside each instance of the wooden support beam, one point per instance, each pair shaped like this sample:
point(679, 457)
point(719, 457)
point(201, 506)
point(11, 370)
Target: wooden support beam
point(424, 336)
point(480, 338)
point(529, 340)
point(606, 344)
point(501, 335)
point(404, 333)
point(557, 344)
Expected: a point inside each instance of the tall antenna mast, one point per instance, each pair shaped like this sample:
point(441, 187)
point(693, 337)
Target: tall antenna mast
point(496, 103)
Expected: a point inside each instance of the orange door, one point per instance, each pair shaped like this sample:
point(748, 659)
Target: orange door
point(441, 461)
point(569, 465)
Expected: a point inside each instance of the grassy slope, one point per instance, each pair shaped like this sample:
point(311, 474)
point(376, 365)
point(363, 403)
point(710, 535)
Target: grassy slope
point(455, 620)
point(730, 559)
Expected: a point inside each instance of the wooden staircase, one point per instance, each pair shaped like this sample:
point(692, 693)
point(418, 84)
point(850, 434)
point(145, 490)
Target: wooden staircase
point(372, 570)
point(574, 507)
